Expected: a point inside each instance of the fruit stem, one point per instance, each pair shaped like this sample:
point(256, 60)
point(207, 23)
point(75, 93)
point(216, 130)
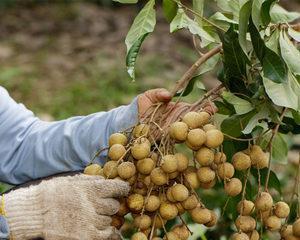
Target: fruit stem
point(270, 145)
point(184, 223)
point(244, 189)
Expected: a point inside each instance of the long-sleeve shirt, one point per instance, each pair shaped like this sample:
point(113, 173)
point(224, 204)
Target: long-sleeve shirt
point(31, 148)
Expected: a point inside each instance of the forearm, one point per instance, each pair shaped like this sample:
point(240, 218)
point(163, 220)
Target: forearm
point(31, 148)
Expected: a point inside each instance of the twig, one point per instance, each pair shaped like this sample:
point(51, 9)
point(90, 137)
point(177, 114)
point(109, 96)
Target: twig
point(185, 224)
point(270, 145)
point(183, 82)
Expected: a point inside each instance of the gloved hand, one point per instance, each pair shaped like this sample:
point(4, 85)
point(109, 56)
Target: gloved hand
point(65, 208)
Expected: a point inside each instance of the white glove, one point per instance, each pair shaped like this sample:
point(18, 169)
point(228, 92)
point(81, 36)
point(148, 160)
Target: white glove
point(69, 208)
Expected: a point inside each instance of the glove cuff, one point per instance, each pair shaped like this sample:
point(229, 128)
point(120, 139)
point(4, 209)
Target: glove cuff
point(24, 213)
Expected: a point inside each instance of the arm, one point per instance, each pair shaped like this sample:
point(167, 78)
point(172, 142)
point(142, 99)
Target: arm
point(31, 148)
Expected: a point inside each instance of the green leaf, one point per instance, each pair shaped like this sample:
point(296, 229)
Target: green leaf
point(256, 10)
point(279, 149)
point(143, 24)
point(209, 64)
point(243, 25)
point(234, 62)
point(280, 15)
point(290, 53)
point(224, 108)
point(296, 116)
point(181, 20)
point(198, 7)
point(126, 1)
point(234, 125)
point(265, 12)
point(240, 105)
point(273, 42)
point(222, 18)
point(294, 34)
point(169, 9)
point(189, 88)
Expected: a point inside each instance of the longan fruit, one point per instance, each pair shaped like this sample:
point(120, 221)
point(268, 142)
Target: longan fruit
point(195, 119)
point(206, 174)
point(141, 130)
point(245, 223)
point(116, 152)
point(169, 163)
point(132, 180)
point(264, 202)
point(93, 169)
point(296, 228)
point(179, 131)
point(233, 187)
point(254, 235)
point(169, 195)
point(181, 231)
point(117, 221)
point(180, 209)
point(213, 221)
point(142, 190)
point(145, 166)
point(139, 236)
point(126, 170)
point(117, 138)
point(191, 147)
point(196, 137)
point(135, 202)
point(214, 138)
point(281, 210)
point(142, 222)
point(179, 192)
point(154, 156)
point(225, 170)
point(152, 204)
point(241, 161)
point(208, 185)
point(190, 203)
point(205, 156)
point(263, 215)
point(208, 127)
point(173, 175)
point(201, 215)
point(147, 231)
point(158, 222)
point(258, 157)
point(123, 209)
point(245, 207)
point(182, 162)
point(273, 223)
point(156, 238)
point(110, 169)
point(220, 158)
point(239, 236)
point(171, 236)
point(158, 176)
point(286, 230)
point(192, 180)
point(168, 211)
point(141, 149)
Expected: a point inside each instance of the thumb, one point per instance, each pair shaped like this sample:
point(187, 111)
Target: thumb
point(158, 95)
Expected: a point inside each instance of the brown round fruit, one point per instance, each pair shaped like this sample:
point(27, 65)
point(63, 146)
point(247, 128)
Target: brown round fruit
point(241, 161)
point(182, 162)
point(245, 223)
point(205, 156)
point(208, 185)
point(135, 202)
point(286, 230)
point(110, 169)
point(196, 137)
point(169, 163)
point(117, 138)
point(126, 170)
point(168, 211)
point(93, 169)
point(213, 221)
point(152, 204)
point(281, 209)
point(132, 180)
point(141, 130)
point(179, 192)
point(201, 215)
point(264, 202)
point(239, 236)
point(296, 228)
point(233, 187)
point(245, 207)
point(179, 131)
point(206, 174)
point(158, 223)
point(225, 170)
point(173, 175)
point(117, 221)
point(123, 209)
point(190, 203)
point(145, 166)
point(141, 149)
point(219, 158)
point(180, 209)
point(192, 180)
point(171, 236)
point(142, 222)
point(254, 235)
point(273, 223)
point(195, 119)
point(258, 157)
point(169, 195)
point(139, 236)
point(116, 152)
point(208, 127)
point(214, 138)
point(181, 231)
point(158, 177)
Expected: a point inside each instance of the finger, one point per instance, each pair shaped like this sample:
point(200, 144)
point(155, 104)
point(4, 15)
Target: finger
point(102, 222)
point(111, 188)
point(106, 206)
point(158, 95)
point(109, 233)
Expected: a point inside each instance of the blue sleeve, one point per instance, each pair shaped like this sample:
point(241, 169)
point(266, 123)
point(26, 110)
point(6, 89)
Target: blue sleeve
point(31, 148)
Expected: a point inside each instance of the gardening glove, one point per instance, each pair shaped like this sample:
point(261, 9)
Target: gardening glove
point(65, 208)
